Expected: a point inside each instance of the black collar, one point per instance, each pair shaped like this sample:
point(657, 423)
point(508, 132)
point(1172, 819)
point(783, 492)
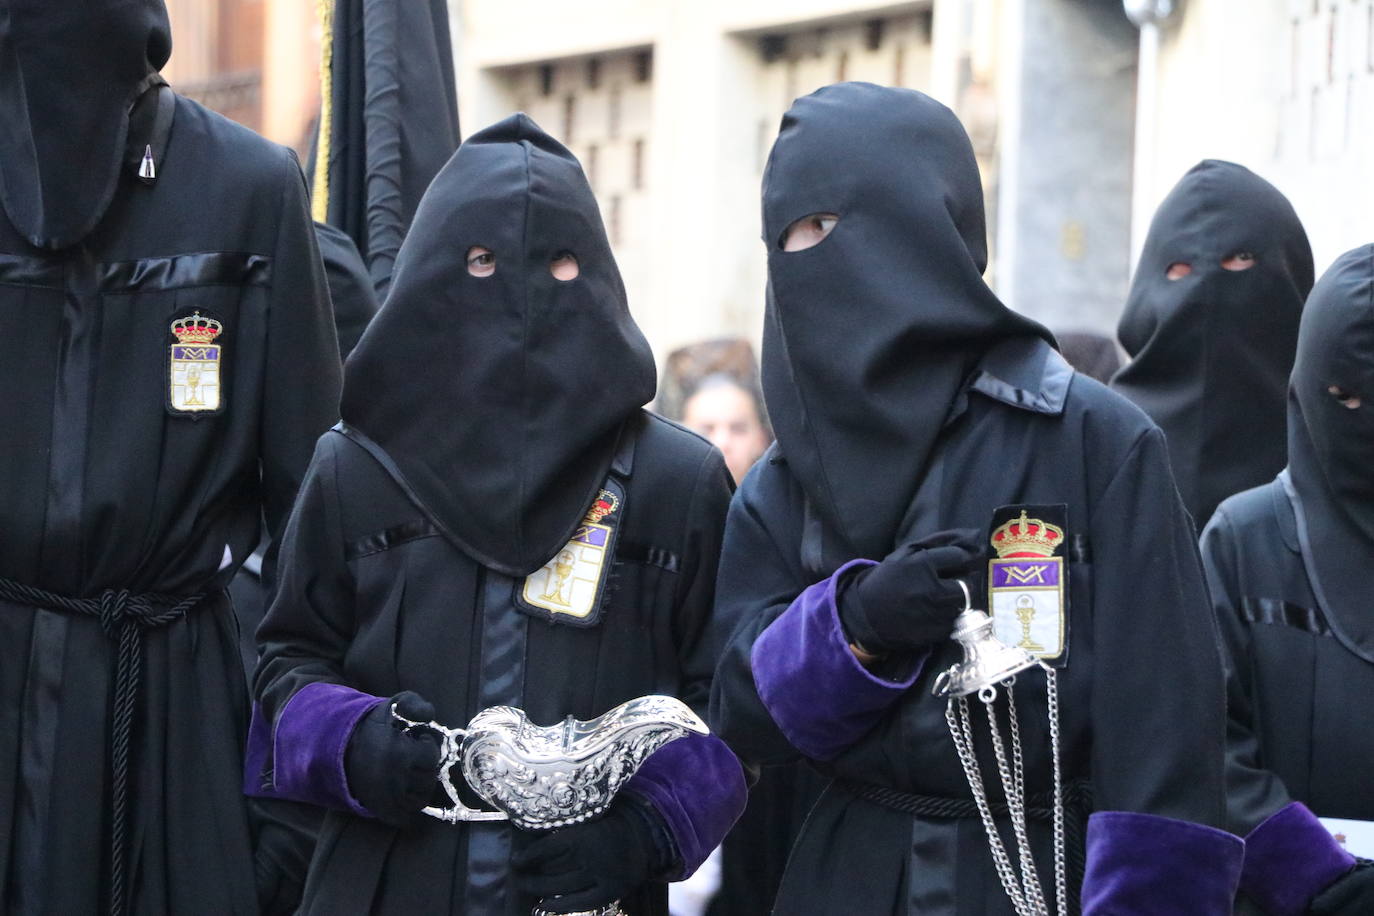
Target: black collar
point(1024, 372)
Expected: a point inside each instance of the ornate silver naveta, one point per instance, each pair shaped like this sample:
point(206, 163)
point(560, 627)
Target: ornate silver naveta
point(543, 777)
point(989, 664)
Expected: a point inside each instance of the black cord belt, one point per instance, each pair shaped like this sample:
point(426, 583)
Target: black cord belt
point(1078, 804)
point(123, 616)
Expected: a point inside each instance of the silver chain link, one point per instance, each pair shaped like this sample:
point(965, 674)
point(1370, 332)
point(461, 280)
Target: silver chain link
point(1025, 892)
point(961, 730)
point(1052, 700)
point(1016, 805)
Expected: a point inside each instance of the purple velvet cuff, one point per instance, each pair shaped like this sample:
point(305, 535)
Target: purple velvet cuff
point(1289, 859)
point(697, 785)
point(819, 695)
point(1143, 864)
point(308, 745)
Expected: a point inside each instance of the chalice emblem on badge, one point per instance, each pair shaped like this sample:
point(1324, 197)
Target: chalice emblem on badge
point(1026, 586)
point(570, 583)
point(194, 369)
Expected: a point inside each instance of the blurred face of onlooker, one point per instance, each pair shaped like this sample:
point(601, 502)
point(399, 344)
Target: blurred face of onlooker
point(726, 414)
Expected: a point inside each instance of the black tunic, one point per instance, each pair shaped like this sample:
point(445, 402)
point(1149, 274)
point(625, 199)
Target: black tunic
point(1141, 694)
point(1289, 563)
point(106, 486)
point(372, 596)
point(1301, 726)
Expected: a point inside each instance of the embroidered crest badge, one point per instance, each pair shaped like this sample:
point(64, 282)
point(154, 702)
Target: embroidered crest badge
point(569, 587)
point(195, 378)
point(1026, 593)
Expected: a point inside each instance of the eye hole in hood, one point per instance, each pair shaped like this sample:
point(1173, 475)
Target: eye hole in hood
point(808, 232)
point(503, 365)
point(481, 261)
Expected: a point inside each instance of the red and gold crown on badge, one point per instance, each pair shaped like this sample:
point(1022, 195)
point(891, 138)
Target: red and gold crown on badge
point(606, 503)
point(1027, 537)
point(196, 330)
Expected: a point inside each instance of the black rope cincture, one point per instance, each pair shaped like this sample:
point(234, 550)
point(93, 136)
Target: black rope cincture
point(124, 617)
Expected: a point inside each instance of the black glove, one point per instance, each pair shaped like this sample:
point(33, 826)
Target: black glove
point(393, 772)
point(1351, 895)
point(910, 599)
point(591, 864)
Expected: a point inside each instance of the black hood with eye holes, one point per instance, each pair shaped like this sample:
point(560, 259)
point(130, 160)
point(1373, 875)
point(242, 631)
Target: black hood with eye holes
point(497, 400)
point(1211, 352)
point(69, 74)
point(1331, 446)
point(870, 334)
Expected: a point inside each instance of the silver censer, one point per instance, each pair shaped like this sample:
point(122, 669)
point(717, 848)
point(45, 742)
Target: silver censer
point(545, 777)
point(990, 664)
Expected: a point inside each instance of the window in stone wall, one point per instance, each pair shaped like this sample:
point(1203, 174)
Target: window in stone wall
point(1327, 106)
point(569, 117)
point(600, 107)
point(613, 113)
point(893, 50)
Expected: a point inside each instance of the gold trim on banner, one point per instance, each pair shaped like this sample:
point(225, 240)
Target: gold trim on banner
point(319, 193)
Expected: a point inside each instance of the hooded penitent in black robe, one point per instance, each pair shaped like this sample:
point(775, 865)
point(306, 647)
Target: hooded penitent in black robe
point(493, 451)
point(1289, 566)
point(120, 480)
point(1211, 351)
point(907, 399)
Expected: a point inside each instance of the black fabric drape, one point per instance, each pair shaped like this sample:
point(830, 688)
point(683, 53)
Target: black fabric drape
point(394, 117)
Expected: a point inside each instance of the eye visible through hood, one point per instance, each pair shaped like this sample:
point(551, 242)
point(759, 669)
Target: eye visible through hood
point(496, 386)
point(874, 323)
point(1331, 444)
point(1211, 323)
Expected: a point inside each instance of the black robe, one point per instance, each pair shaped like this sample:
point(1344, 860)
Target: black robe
point(1288, 565)
point(106, 486)
point(1141, 692)
point(372, 596)
point(1302, 727)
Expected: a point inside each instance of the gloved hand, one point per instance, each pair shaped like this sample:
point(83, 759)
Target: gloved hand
point(910, 599)
point(1347, 896)
point(593, 863)
point(393, 772)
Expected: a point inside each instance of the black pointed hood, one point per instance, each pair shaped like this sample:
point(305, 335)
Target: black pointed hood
point(1211, 352)
point(498, 400)
point(870, 334)
point(1331, 445)
point(69, 74)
